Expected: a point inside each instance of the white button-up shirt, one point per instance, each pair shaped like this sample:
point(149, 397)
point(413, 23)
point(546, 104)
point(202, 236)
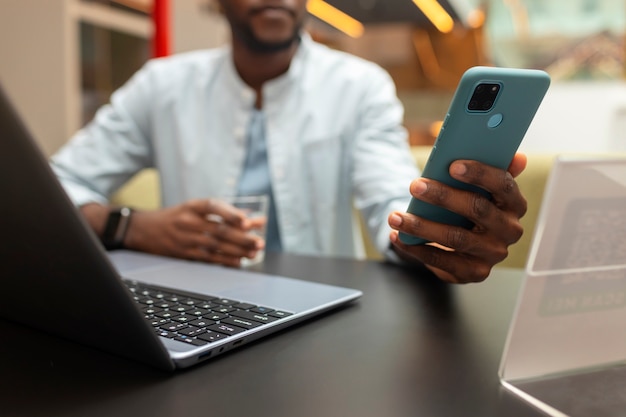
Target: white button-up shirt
point(334, 137)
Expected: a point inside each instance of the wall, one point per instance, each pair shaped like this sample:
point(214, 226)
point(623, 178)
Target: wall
point(196, 25)
point(40, 47)
point(34, 70)
point(580, 117)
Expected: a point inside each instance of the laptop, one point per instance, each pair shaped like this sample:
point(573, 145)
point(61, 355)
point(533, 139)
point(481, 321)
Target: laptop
point(566, 348)
point(167, 313)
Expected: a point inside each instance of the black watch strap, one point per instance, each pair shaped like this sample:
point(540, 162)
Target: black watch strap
point(116, 228)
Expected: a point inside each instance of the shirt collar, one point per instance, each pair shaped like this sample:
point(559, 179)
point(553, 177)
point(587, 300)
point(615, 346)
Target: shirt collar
point(277, 86)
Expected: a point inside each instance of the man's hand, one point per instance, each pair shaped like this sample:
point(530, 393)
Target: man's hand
point(206, 230)
point(457, 254)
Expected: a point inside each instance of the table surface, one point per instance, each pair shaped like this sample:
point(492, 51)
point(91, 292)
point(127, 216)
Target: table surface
point(411, 346)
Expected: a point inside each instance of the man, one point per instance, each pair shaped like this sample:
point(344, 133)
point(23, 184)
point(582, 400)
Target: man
point(318, 130)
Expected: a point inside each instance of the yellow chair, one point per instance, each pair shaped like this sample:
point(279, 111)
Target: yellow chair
point(141, 192)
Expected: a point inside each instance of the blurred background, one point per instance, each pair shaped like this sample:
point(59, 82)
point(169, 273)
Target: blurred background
point(61, 59)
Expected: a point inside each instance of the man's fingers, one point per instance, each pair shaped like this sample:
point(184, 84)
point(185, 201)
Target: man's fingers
point(518, 164)
point(216, 210)
point(451, 266)
point(498, 183)
point(211, 256)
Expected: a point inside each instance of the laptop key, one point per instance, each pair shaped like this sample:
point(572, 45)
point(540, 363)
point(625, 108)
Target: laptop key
point(191, 301)
point(155, 321)
point(280, 314)
point(191, 331)
point(165, 333)
point(225, 301)
point(202, 322)
point(151, 310)
point(226, 329)
point(244, 306)
point(173, 327)
point(241, 322)
point(223, 310)
point(210, 336)
point(207, 305)
point(198, 312)
point(181, 308)
point(191, 341)
point(166, 314)
point(215, 316)
point(254, 316)
point(173, 298)
point(184, 318)
point(145, 300)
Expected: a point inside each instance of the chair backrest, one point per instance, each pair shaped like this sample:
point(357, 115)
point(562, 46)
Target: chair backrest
point(141, 192)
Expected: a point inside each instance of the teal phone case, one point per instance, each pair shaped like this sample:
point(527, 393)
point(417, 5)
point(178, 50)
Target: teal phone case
point(491, 136)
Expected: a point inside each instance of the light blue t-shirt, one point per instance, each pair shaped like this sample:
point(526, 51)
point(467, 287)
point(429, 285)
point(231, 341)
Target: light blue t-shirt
point(255, 178)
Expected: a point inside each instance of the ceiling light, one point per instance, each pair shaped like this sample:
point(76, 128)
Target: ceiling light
point(336, 18)
point(476, 19)
point(436, 14)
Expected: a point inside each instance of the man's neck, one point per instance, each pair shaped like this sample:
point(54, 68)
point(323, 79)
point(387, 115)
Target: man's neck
point(255, 69)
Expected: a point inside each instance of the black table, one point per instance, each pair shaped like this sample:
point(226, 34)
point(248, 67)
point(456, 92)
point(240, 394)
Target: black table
point(411, 346)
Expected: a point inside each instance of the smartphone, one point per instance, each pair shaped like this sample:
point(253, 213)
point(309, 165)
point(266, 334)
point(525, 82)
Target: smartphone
point(487, 119)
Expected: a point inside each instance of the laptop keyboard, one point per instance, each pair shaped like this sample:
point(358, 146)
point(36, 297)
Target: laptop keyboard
point(198, 319)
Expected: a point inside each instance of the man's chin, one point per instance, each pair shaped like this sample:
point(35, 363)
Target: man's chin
point(271, 45)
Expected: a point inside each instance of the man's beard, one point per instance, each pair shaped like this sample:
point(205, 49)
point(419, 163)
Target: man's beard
point(245, 34)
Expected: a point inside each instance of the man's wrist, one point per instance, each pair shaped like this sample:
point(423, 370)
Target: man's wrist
point(116, 228)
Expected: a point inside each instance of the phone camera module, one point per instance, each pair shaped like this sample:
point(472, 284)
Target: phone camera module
point(483, 97)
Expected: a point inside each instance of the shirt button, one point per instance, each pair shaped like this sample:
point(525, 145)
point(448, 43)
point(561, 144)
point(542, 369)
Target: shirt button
point(247, 95)
point(239, 133)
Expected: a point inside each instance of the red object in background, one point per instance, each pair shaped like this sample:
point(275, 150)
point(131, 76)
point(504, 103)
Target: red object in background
point(162, 33)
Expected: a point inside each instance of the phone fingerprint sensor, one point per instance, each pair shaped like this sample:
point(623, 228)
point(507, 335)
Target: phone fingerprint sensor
point(495, 120)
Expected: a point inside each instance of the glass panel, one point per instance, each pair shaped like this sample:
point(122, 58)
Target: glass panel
point(566, 349)
point(583, 222)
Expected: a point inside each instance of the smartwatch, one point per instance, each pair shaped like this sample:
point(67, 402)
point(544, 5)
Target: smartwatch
point(116, 227)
